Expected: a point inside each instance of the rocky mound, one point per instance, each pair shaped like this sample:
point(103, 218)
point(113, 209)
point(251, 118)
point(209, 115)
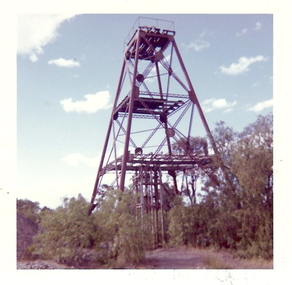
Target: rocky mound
point(26, 230)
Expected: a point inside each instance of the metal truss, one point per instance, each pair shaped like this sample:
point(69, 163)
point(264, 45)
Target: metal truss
point(153, 109)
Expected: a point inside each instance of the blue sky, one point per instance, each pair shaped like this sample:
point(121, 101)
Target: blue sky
point(68, 68)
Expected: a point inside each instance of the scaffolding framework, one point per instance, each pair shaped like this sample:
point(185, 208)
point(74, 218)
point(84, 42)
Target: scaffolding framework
point(154, 108)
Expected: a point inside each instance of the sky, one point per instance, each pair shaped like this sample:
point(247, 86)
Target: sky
point(68, 68)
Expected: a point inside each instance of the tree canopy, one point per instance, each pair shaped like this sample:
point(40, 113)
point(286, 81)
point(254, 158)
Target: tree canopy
point(237, 216)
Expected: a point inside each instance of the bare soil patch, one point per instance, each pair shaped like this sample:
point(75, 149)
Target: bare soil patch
point(173, 258)
point(192, 258)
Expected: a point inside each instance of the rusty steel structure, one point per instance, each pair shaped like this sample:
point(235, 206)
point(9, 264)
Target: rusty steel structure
point(155, 106)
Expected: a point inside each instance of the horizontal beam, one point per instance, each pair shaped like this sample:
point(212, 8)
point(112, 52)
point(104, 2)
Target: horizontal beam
point(163, 161)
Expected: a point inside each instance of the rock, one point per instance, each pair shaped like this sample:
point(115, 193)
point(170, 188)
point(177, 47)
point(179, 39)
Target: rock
point(26, 230)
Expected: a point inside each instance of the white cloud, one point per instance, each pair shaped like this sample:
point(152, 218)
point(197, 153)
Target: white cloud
point(241, 33)
point(258, 26)
point(212, 104)
point(64, 62)
point(261, 106)
point(75, 159)
point(242, 65)
point(91, 104)
point(33, 58)
point(35, 31)
point(202, 34)
point(198, 45)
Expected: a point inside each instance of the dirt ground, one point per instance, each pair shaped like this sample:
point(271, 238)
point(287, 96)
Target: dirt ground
point(191, 258)
point(173, 258)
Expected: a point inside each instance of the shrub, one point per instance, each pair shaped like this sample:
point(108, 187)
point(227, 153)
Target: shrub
point(65, 232)
point(120, 228)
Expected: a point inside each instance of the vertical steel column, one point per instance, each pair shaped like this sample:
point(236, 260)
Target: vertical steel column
point(163, 241)
point(156, 204)
point(152, 206)
point(130, 114)
point(141, 172)
point(107, 138)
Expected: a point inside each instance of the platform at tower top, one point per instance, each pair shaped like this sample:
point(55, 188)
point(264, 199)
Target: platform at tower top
point(151, 23)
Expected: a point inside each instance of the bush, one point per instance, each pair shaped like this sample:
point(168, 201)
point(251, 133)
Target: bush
point(120, 228)
point(65, 232)
point(111, 235)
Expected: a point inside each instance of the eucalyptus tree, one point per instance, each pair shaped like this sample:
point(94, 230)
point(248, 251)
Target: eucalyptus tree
point(252, 164)
point(28, 209)
point(190, 177)
point(237, 215)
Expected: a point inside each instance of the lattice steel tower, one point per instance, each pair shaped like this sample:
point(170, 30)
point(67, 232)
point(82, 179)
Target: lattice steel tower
point(155, 106)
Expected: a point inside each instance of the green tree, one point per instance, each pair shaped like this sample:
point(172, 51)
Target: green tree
point(65, 233)
point(225, 138)
point(28, 209)
point(111, 235)
point(195, 145)
point(176, 223)
point(199, 147)
point(120, 228)
point(190, 224)
point(236, 214)
point(252, 163)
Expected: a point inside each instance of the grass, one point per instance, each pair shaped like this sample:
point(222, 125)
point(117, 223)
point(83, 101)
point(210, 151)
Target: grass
point(224, 260)
point(213, 261)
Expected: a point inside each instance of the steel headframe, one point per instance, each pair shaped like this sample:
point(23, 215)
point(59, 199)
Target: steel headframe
point(147, 119)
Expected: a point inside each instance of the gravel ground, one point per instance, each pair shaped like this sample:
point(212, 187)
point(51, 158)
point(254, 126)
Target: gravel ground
point(173, 258)
point(41, 264)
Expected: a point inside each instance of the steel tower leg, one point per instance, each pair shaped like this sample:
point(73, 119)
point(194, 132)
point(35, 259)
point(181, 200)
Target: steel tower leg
point(130, 115)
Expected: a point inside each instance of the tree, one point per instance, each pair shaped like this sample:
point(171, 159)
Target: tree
point(111, 235)
point(116, 216)
point(65, 233)
point(192, 145)
point(236, 215)
point(28, 209)
point(252, 163)
point(225, 137)
point(195, 145)
point(254, 152)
